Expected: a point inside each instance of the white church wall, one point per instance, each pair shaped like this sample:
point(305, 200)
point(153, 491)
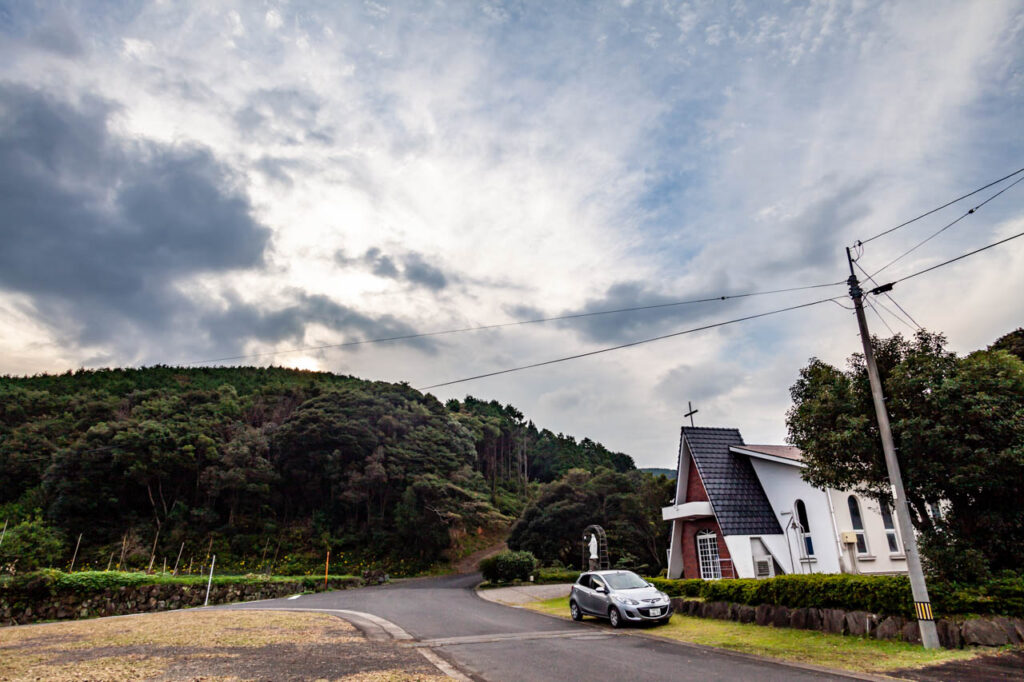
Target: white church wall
point(783, 486)
point(878, 558)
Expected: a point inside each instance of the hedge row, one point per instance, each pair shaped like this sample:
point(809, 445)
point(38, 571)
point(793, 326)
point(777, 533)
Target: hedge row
point(555, 575)
point(889, 595)
point(50, 582)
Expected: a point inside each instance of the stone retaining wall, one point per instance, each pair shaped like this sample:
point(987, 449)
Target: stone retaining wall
point(953, 633)
point(145, 598)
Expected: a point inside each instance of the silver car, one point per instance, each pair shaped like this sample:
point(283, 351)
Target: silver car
point(620, 596)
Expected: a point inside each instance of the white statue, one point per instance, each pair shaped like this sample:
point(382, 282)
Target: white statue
point(593, 546)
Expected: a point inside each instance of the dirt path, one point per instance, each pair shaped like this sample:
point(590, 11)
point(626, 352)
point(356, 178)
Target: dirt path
point(1005, 665)
point(207, 645)
point(471, 563)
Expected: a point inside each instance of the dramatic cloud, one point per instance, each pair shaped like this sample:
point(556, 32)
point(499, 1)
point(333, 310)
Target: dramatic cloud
point(414, 268)
point(98, 231)
point(662, 316)
point(420, 272)
point(187, 181)
point(245, 321)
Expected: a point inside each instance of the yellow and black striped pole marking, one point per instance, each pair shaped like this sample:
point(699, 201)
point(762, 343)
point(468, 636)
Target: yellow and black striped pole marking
point(924, 610)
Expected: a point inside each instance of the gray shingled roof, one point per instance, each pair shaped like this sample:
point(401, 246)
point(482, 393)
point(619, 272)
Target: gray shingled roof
point(735, 492)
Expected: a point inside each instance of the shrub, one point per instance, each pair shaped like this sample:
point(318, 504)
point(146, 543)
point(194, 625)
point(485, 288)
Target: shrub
point(677, 588)
point(508, 566)
point(30, 545)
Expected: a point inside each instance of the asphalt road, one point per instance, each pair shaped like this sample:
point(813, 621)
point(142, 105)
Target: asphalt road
point(488, 641)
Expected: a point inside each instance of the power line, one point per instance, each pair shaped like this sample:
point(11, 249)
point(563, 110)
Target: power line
point(946, 227)
point(908, 325)
point(405, 337)
point(961, 257)
point(880, 318)
point(934, 210)
point(892, 300)
point(629, 345)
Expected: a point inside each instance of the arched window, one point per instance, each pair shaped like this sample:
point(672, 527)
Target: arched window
point(805, 527)
point(707, 555)
point(858, 524)
point(890, 529)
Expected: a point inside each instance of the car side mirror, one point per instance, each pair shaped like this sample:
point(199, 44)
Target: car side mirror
point(602, 590)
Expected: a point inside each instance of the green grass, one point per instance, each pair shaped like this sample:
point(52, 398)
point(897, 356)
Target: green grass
point(802, 646)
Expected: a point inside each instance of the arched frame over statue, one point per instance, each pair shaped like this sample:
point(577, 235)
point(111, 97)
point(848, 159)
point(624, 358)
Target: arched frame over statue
point(595, 549)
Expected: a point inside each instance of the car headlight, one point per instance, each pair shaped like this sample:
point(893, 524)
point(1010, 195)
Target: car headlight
point(663, 595)
point(624, 600)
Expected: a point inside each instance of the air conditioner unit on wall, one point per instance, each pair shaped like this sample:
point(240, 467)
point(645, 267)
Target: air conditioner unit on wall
point(764, 567)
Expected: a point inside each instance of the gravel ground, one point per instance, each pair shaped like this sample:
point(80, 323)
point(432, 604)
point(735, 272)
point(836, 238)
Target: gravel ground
point(524, 594)
point(206, 645)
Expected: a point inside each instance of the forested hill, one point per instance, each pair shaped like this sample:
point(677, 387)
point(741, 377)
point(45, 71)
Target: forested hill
point(266, 464)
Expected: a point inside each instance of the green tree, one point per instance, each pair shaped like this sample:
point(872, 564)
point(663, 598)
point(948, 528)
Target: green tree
point(958, 426)
point(627, 505)
point(1011, 343)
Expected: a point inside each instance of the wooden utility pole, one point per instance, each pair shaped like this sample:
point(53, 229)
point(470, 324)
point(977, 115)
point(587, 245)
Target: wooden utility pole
point(922, 605)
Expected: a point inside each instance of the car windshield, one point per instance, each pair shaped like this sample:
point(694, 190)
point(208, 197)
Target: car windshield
point(624, 581)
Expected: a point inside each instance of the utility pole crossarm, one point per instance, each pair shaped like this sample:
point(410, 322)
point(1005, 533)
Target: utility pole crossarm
point(922, 605)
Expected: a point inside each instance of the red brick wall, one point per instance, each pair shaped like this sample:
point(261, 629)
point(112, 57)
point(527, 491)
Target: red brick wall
point(695, 492)
point(694, 487)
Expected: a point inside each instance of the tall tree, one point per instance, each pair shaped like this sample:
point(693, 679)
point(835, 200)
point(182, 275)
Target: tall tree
point(958, 426)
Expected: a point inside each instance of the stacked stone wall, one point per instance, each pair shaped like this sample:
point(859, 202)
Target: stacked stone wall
point(953, 633)
point(20, 609)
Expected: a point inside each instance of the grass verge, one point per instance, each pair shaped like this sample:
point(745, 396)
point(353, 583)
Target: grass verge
point(801, 646)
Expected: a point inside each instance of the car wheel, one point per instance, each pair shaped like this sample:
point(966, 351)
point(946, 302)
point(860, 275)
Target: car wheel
point(574, 609)
point(614, 618)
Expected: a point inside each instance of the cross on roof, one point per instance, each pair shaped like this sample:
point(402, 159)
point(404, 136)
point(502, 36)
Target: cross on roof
point(691, 412)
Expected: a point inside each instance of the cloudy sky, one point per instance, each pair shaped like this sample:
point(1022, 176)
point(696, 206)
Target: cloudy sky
point(181, 183)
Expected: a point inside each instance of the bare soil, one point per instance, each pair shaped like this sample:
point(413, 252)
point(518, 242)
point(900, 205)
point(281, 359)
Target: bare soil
point(1006, 665)
point(471, 563)
point(206, 645)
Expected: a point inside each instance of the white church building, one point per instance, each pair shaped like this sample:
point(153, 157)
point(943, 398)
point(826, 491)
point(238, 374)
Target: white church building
point(742, 511)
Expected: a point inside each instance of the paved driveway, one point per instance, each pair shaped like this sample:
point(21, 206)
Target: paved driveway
point(489, 641)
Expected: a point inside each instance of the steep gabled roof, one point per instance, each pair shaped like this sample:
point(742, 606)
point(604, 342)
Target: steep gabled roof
point(736, 495)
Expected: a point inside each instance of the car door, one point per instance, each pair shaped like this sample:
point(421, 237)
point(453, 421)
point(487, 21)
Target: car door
point(601, 599)
point(585, 593)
